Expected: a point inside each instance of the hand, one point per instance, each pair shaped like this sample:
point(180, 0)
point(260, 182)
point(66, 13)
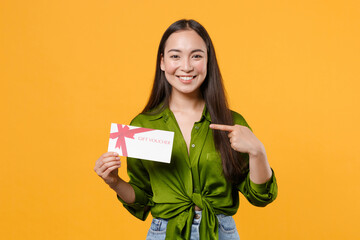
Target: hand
point(241, 138)
point(107, 167)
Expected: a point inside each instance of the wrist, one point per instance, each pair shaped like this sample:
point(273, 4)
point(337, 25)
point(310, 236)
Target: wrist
point(257, 153)
point(115, 183)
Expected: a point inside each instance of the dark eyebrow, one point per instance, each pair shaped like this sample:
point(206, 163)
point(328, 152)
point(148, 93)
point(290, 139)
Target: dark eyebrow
point(177, 50)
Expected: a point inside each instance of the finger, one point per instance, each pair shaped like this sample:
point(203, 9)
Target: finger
point(105, 155)
point(109, 170)
point(109, 159)
point(101, 161)
point(222, 127)
point(104, 172)
point(109, 154)
point(109, 164)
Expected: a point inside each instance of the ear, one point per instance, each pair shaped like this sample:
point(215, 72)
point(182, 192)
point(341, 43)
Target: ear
point(162, 64)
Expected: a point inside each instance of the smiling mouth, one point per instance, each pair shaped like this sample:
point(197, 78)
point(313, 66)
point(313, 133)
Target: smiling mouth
point(186, 78)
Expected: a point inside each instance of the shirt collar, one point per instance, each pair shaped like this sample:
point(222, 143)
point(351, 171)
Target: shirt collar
point(166, 113)
point(205, 114)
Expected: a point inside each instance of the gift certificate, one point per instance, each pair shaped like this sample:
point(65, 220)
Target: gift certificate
point(143, 143)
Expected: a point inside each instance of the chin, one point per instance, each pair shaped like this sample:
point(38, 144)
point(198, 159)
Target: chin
point(187, 90)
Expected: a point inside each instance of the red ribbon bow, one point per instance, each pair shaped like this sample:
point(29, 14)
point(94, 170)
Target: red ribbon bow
point(124, 131)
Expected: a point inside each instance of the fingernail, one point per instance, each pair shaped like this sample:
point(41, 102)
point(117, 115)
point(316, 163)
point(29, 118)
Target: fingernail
point(115, 154)
point(117, 158)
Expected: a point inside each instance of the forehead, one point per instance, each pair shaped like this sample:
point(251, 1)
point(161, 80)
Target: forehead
point(185, 40)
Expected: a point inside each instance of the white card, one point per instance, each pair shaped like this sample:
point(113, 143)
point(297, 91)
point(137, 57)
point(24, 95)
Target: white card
point(143, 143)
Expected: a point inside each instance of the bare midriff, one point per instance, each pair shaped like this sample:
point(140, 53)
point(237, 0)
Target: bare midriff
point(197, 208)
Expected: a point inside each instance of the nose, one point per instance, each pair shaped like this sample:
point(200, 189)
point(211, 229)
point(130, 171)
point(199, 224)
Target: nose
point(186, 65)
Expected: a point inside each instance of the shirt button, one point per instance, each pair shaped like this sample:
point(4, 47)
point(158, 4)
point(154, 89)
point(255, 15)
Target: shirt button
point(193, 145)
point(197, 127)
point(197, 216)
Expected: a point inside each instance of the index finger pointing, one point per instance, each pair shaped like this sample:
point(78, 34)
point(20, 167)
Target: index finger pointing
point(222, 127)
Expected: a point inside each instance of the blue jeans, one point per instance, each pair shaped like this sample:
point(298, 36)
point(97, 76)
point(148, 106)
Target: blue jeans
point(227, 228)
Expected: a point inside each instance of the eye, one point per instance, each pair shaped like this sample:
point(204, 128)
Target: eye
point(197, 56)
point(174, 56)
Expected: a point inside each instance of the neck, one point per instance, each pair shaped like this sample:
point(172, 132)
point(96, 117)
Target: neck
point(186, 102)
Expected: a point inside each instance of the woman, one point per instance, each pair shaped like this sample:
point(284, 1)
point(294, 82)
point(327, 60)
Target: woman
point(215, 154)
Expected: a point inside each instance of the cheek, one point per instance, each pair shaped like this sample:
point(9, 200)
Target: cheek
point(201, 67)
point(170, 67)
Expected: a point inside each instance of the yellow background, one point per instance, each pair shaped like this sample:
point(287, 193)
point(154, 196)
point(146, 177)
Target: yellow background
point(70, 68)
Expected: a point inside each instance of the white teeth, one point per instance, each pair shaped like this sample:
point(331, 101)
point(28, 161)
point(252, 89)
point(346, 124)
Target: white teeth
point(186, 78)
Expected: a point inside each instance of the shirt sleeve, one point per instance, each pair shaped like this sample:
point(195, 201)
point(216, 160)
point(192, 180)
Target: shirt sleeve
point(140, 181)
point(259, 194)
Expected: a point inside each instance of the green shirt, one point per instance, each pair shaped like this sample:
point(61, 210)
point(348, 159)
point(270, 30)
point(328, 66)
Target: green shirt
point(172, 190)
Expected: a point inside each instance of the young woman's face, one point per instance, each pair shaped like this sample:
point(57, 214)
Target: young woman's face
point(184, 61)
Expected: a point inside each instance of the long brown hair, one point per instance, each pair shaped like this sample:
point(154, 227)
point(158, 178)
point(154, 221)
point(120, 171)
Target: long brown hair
point(234, 164)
